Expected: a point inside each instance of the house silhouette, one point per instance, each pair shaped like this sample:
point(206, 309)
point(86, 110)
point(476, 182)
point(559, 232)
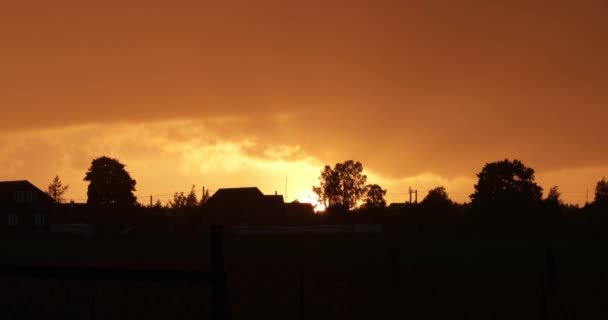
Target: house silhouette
point(24, 207)
point(245, 206)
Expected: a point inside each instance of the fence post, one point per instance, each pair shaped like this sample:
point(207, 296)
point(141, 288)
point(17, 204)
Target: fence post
point(548, 285)
point(218, 276)
point(395, 268)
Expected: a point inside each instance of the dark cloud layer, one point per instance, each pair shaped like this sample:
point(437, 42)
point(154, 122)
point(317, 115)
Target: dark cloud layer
point(405, 86)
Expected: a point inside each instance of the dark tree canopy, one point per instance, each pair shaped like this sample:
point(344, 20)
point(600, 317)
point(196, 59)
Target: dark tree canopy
point(110, 184)
point(437, 198)
point(374, 197)
point(554, 196)
point(506, 185)
point(601, 193)
point(342, 186)
point(56, 190)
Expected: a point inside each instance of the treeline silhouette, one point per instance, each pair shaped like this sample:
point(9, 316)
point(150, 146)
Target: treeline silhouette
point(506, 200)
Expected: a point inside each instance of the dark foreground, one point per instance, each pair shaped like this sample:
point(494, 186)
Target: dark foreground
point(410, 275)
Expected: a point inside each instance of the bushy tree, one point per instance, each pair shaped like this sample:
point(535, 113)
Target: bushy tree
point(110, 185)
point(506, 186)
point(343, 186)
point(374, 198)
point(56, 190)
point(437, 197)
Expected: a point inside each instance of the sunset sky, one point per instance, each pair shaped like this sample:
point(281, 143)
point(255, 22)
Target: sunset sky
point(244, 93)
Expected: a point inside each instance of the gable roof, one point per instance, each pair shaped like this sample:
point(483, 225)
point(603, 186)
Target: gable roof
point(8, 187)
point(230, 196)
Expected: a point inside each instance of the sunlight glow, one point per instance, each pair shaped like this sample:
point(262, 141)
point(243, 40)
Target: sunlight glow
point(310, 197)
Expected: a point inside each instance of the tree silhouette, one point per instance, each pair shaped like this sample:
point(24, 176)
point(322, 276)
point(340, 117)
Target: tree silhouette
point(342, 186)
point(506, 185)
point(601, 193)
point(56, 190)
point(191, 200)
point(437, 198)
point(110, 185)
point(205, 197)
point(181, 200)
point(374, 197)
point(554, 196)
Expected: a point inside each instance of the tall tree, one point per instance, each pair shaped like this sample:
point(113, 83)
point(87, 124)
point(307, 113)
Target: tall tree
point(374, 197)
point(506, 186)
point(601, 193)
point(342, 186)
point(554, 196)
point(110, 185)
point(205, 197)
point(56, 190)
point(553, 203)
point(191, 200)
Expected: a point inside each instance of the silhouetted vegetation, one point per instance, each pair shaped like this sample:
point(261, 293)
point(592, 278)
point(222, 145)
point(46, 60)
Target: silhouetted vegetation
point(343, 186)
point(437, 199)
point(181, 200)
point(506, 199)
point(506, 186)
point(601, 194)
point(374, 197)
point(56, 190)
point(110, 185)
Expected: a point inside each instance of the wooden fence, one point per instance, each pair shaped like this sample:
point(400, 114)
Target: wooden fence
point(215, 277)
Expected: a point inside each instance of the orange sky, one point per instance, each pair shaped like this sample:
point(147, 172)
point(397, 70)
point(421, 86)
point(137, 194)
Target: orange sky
point(240, 93)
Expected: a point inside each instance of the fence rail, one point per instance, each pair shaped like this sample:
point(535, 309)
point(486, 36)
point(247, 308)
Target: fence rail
point(92, 273)
point(216, 277)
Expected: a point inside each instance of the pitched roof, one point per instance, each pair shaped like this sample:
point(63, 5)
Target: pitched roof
point(8, 187)
point(228, 196)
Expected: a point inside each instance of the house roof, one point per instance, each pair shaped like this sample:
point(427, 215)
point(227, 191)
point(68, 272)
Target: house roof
point(243, 197)
point(228, 196)
point(8, 187)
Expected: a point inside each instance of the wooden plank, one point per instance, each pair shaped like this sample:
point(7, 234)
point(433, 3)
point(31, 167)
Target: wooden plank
point(93, 273)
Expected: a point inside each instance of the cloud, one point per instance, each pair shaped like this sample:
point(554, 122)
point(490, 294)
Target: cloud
point(404, 87)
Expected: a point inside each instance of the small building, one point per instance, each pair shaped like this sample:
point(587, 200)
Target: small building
point(244, 206)
point(24, 207)
point(300, 212)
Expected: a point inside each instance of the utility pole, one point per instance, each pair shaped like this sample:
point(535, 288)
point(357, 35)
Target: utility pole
point(150, 201)
point(410, 192)
point(285, 188)
point(415, 192)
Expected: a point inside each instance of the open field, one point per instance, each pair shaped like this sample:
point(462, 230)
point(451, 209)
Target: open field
point(328, 277)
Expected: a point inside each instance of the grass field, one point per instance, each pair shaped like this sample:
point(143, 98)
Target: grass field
point(328, 277)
